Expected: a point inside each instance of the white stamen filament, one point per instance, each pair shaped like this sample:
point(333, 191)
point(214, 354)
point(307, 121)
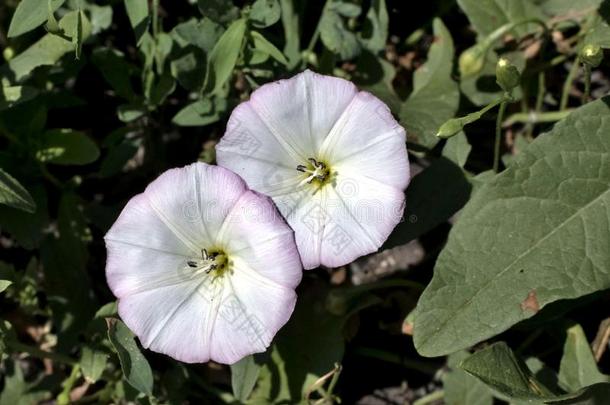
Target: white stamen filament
point(319, 171)
point(206, 263)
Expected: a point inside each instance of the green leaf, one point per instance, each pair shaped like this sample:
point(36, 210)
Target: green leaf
point(7, 277)
point(578, 367)
point(457, 149)
point(221, 11)
point(261, 44)
point(432, 198)
point(131, 112)
point(137, 11)
point(224, 56)
point(461, 388)
point(336, 37)
point(92, 363)
point(201, 33)
point(202, 112)
point(498, 367)
point(435, 95)
point(374, 35)
point(488, 15)
point(135, 367)
point(291, 24)
point(101, 17)
point(244, 374)
point(31, 14)
point(26, 228)
point(14, 195)
point(265, 13)
point(67, 147)
point(534, 234)
point(13, 95)
point(49, 49)
point(116, 70)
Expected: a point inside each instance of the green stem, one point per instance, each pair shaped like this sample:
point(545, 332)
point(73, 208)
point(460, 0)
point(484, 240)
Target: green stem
point(430, 398)
point(64, 396)
point(587, 95)
point(499, 119)
point(316, 33)
point(155, 18)
point(36, 352)
point(331, 386)
point(536, 117)
point(567, 86)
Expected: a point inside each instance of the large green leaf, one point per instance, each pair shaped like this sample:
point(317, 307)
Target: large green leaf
point(535, 234)
point(488, 15)
point(335, 35)
point(135, 367)
point(14, 195)
point(224, 56)
point(435, 95)
point(31, 14)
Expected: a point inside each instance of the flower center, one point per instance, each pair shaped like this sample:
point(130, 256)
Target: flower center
point(315, 170)
point(215, 262)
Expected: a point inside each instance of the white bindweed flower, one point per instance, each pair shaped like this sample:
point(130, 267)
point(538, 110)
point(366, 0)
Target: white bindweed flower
point(203, 267)
point(332, 158)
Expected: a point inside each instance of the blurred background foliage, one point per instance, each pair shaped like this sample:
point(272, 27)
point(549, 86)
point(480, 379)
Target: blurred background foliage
point(99, 97)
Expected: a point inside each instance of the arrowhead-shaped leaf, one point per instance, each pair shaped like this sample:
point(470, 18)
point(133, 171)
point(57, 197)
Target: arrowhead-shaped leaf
point(537, 233)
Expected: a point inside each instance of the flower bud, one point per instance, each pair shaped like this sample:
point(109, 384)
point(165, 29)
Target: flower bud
point(471, 61)
point(592, 55)
point(450, 128)
point(507, 75)
point(8, 53)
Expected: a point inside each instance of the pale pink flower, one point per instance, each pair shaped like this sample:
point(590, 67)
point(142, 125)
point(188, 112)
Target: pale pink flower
point(203, 267)
point(332, 158)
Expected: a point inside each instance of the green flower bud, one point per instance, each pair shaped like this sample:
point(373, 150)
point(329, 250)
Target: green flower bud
point(592, 55)
point(450, 128)
point(8, 53)
point(471, 61)
point(507, 75)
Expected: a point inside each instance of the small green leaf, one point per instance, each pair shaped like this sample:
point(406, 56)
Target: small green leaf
point(137, 11)
point(498, 367)
point(244, 374)
point(265, 13)
point(461, 388)
point(14, 195)
point(29, 15)
point(374, 35)
point(457, 149)
point(201, 112)
point(435, 95)
point(524, 236)
point(578, 367)
point(202, 33)
point(13, 95)
point(131, 112)
point(336, 37)
point(261, 44)
point(67, 147)
point(224, 56)
point(92, 363)
point(221, 11)
point(135, 367)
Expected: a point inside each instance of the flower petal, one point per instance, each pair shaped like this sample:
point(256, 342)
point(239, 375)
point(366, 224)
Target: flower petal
point(252, 311)
point(283, 124)
point(194, 201)
point(256, 234)
point(143, 252)
point(368, 141)
point(361, 214)
point(175, 320)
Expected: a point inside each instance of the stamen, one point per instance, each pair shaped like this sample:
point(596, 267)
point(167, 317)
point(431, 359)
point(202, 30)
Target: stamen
point(317, 171)
point(207, 263)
